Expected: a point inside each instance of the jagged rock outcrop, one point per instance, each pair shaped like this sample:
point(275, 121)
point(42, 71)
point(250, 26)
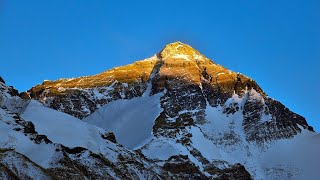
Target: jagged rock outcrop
point(1, 80)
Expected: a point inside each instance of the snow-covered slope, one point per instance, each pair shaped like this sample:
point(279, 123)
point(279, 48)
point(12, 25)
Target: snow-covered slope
point(130, 120)
point(14, 166)
point(65, 129)
point(300, 155)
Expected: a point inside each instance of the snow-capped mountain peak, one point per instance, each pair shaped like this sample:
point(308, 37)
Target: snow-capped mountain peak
point(189, 116)
point(179, 51)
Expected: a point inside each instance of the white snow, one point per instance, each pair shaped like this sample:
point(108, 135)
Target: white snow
point(61, 89)
point(131, 120)
point(97, 94)
point(148, 90)
point(38, 153)
point(181, 56)
point(205, 146)
point(196, 56)
point(296, 158)
point(299, 157)
point(65, 129)
point(164, 148)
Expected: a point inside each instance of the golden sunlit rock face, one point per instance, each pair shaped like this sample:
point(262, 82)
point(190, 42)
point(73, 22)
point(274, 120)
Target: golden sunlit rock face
point(176, 61)
point(176, 49)
point(176, 65)
point(138, 71)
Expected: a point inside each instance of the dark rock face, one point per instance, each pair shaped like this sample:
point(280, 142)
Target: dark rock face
point(237, 171)
point(281, 123)
point(24, 95)
point(74, 103)
point(279, 111)
point(183, 167)
point(13, 92)
point(175, 102)
point(82, 102)
point(8, 89)
point(109, 136)
point(28, 127)
point(1, 80)
point(79, 163)
point(7, 173)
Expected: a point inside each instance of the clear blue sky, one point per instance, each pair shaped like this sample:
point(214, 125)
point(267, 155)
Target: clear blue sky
point(277, 43)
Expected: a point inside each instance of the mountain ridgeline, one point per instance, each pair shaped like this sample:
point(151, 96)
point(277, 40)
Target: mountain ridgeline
point(175, 115)
point(190, 82)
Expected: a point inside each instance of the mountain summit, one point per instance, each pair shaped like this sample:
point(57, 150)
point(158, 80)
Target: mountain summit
point(174, 54)
point(176, 62)
point(180, 51)
point(192, 117)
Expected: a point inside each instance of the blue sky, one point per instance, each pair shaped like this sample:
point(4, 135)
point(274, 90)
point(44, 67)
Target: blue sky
point(277, 43)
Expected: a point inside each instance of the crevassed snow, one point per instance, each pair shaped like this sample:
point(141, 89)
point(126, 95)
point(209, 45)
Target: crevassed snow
point(130, 120)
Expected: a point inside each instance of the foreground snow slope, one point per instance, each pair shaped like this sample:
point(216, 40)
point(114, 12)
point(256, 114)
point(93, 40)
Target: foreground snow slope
point(38, 153)
point(65, 129)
